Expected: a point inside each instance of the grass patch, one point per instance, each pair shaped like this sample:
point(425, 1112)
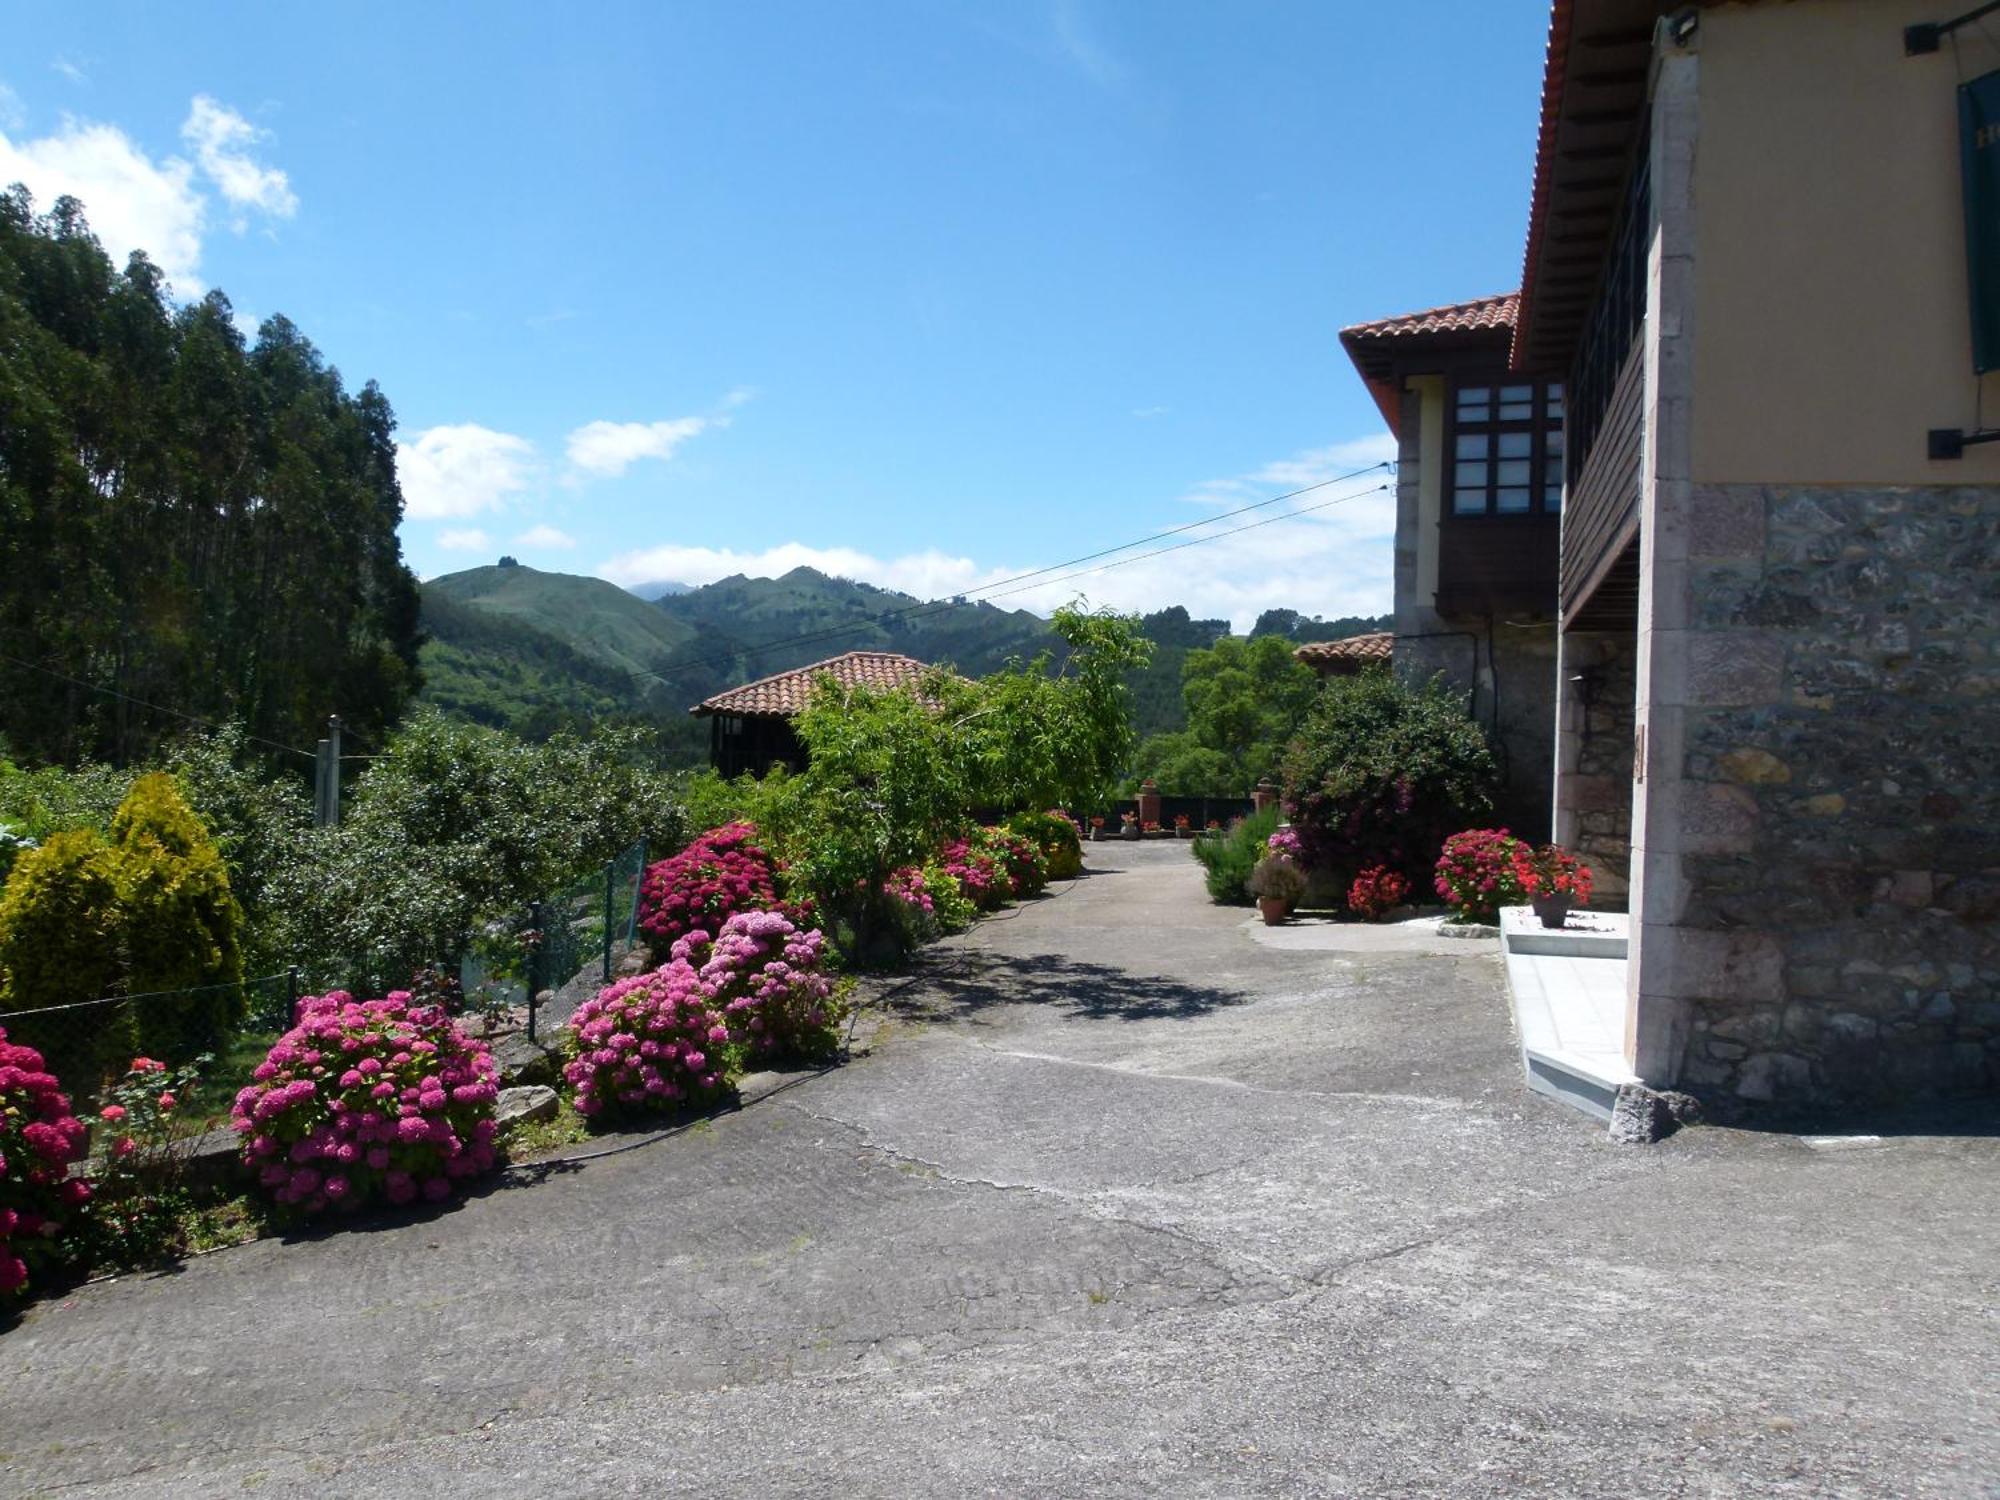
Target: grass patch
point(529, 1139)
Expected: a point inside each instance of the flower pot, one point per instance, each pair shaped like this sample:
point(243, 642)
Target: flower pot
point(1131, 830)
point(1275, 909)
point(1553, 911)
point(1186, 833)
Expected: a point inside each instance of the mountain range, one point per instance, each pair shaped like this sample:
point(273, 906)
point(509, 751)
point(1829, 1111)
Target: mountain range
point(530, 651)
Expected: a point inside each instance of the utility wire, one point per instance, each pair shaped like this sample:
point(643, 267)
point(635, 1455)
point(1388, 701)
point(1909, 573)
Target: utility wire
point(1003, 587)
point(158, 708)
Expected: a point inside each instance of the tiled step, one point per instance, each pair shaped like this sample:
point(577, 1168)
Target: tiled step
point(1567, 988)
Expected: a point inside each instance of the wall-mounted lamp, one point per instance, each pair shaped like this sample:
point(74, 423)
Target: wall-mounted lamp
point(1589, 682)
point(1927, 37)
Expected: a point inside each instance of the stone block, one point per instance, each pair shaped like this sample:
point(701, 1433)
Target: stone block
point(1774, 1075)
point(1726, 521)
point(528, 1102)
point(1744, 966)
point(1751, 765)
point(1718, 819)
point(1733, 667)
point(523, 1061)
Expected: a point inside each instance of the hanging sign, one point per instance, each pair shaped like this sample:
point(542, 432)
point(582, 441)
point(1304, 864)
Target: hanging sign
point(1979, 161)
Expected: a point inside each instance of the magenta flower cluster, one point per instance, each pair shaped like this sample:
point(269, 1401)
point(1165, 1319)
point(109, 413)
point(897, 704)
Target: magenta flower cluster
point(721, 873)
point(365, 1099)
point(39, 1138)
point(648, 1043)
point(768, 978)
point(908, 888)
point(1476, 873)
point(1285, 840)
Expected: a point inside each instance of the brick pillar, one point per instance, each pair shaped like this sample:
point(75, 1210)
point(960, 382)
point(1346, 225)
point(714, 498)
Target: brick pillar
point(1149, 802)
point(1264, 794)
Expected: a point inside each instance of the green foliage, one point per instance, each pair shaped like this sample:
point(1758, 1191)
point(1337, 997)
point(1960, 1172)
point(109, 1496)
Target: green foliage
point(1299, 629)
point(1276, 878)
point(1245, 699)
point(1053, 734)
point(177, 922)
point(1056, 836)
point(1231, 858)
point(194, 521)
point(1382, 772)
point(455, 827)
point(1157, 706)
point(59, 945)
point(883, 786)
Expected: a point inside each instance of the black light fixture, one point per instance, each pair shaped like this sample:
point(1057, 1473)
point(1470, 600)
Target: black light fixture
point(1943, 444)
point(1927, 37)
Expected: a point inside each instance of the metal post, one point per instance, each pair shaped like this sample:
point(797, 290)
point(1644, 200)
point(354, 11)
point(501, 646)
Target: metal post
point(534, 962)
point(333, 769)
point(610, 895)
point(321, 811)
point(291, 997)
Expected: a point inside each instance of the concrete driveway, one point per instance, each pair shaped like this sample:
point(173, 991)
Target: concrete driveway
point(1123, 1202)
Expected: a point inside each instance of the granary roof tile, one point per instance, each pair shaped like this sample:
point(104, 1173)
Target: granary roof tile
point(785, 693)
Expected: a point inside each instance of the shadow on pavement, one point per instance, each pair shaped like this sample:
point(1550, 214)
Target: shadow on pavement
point(963, 985)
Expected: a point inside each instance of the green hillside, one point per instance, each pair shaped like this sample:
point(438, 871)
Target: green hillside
point(594, 618)
point(532, 651)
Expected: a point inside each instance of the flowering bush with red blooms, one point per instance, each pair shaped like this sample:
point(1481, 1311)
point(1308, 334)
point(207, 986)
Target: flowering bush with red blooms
point(1551, 870)
point(1027, 867)
point(365, 1099)
point(769, 980)
point(721, 873)
point(39, 1138)
point(135, 1209)
point(1477, 875)
point(979, 871)
point(1376, 891)
point(646, 1044)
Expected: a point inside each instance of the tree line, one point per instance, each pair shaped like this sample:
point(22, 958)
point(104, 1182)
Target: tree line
point(192, 521)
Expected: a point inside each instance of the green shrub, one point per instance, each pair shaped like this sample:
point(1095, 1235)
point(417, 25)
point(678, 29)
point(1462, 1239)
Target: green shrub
point(1381, 772)
point(1057, 836)
point(59, 945)
point(178, 923)
point(1230, 858)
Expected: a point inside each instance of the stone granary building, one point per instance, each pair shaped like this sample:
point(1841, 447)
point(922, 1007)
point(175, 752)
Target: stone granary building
point(1760, 296)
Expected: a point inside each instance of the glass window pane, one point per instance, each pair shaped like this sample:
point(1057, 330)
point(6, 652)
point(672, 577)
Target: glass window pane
point(1517, 412)
point(1516, 444)
point(1552, 443)
point(1474, 444)
point(1512, 502)
point(1555, 404)
point(1552, 471)
point(1474, 395)
point(1555, 389)
point(1470, 476)
point(1515, 471)
point(1469, 503)
point(1552, 499)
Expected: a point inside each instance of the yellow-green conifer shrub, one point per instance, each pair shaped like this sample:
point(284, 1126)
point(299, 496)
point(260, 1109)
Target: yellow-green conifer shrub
point(179, 924)
point(60, 944)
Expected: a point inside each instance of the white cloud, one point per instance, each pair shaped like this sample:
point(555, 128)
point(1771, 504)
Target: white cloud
point(461, 470)
point(1333, 561)
point(221, 140)
point(608, 449)
point(13, 113)
point(470, 539)
point(132, 201)
point(70, 70)
point(544, 537)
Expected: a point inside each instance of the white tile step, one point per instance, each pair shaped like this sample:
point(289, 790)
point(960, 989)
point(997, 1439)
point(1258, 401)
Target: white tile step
point(1569, 1008)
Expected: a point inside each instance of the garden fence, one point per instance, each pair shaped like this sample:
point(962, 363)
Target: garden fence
point(590, 924)
point(89, 1043)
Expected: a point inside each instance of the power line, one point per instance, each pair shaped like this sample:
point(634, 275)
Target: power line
point(158, 708)
point(1003, 587)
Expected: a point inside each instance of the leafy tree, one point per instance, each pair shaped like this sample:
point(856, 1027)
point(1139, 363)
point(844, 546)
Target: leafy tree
point(1054, 733)
point(1383, 772)
point(185, 519)
point(1245, 698)
point(59, 945)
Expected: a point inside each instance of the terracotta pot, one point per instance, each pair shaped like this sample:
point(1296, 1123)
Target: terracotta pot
point(1275, 909)
point(1553, 911)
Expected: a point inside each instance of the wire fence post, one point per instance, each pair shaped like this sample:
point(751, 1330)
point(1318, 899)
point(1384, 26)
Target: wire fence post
point(610, 895)
point(291, 998)
point(534, 947)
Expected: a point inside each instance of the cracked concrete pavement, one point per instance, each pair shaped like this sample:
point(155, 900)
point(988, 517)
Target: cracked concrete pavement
point(1122, 1202)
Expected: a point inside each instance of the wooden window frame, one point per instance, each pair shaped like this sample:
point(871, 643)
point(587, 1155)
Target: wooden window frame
point(1538, 425)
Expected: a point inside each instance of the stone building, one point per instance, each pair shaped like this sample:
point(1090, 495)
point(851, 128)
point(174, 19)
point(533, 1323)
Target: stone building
point(1778, 567)
point(1478, 512)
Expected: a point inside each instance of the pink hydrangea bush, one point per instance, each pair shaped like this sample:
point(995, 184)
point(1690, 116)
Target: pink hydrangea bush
point(980, 873)
point(39, 1139)
point(768, 978)
point(1476, 873)
point(648, 1043)
point(721, 873)
point(367, 1099)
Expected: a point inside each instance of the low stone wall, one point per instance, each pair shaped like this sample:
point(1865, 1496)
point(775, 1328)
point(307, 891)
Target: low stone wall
point(1837, 806)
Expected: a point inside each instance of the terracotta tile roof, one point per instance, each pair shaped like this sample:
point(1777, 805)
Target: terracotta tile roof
point(1454, 317)
point(1351, 654)
point(785, 693)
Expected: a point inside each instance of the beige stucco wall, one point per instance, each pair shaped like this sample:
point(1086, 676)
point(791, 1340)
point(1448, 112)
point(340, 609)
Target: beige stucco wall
point(1832, 328)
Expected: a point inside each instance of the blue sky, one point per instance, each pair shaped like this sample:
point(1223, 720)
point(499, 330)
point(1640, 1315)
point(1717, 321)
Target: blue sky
point(926, 293)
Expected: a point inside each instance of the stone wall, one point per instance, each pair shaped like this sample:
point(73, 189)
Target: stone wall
point(1508, 670)
point(1593, 813)
point(1837, 796)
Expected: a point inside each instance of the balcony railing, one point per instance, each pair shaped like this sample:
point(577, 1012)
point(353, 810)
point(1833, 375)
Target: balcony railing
point(1615, 320)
